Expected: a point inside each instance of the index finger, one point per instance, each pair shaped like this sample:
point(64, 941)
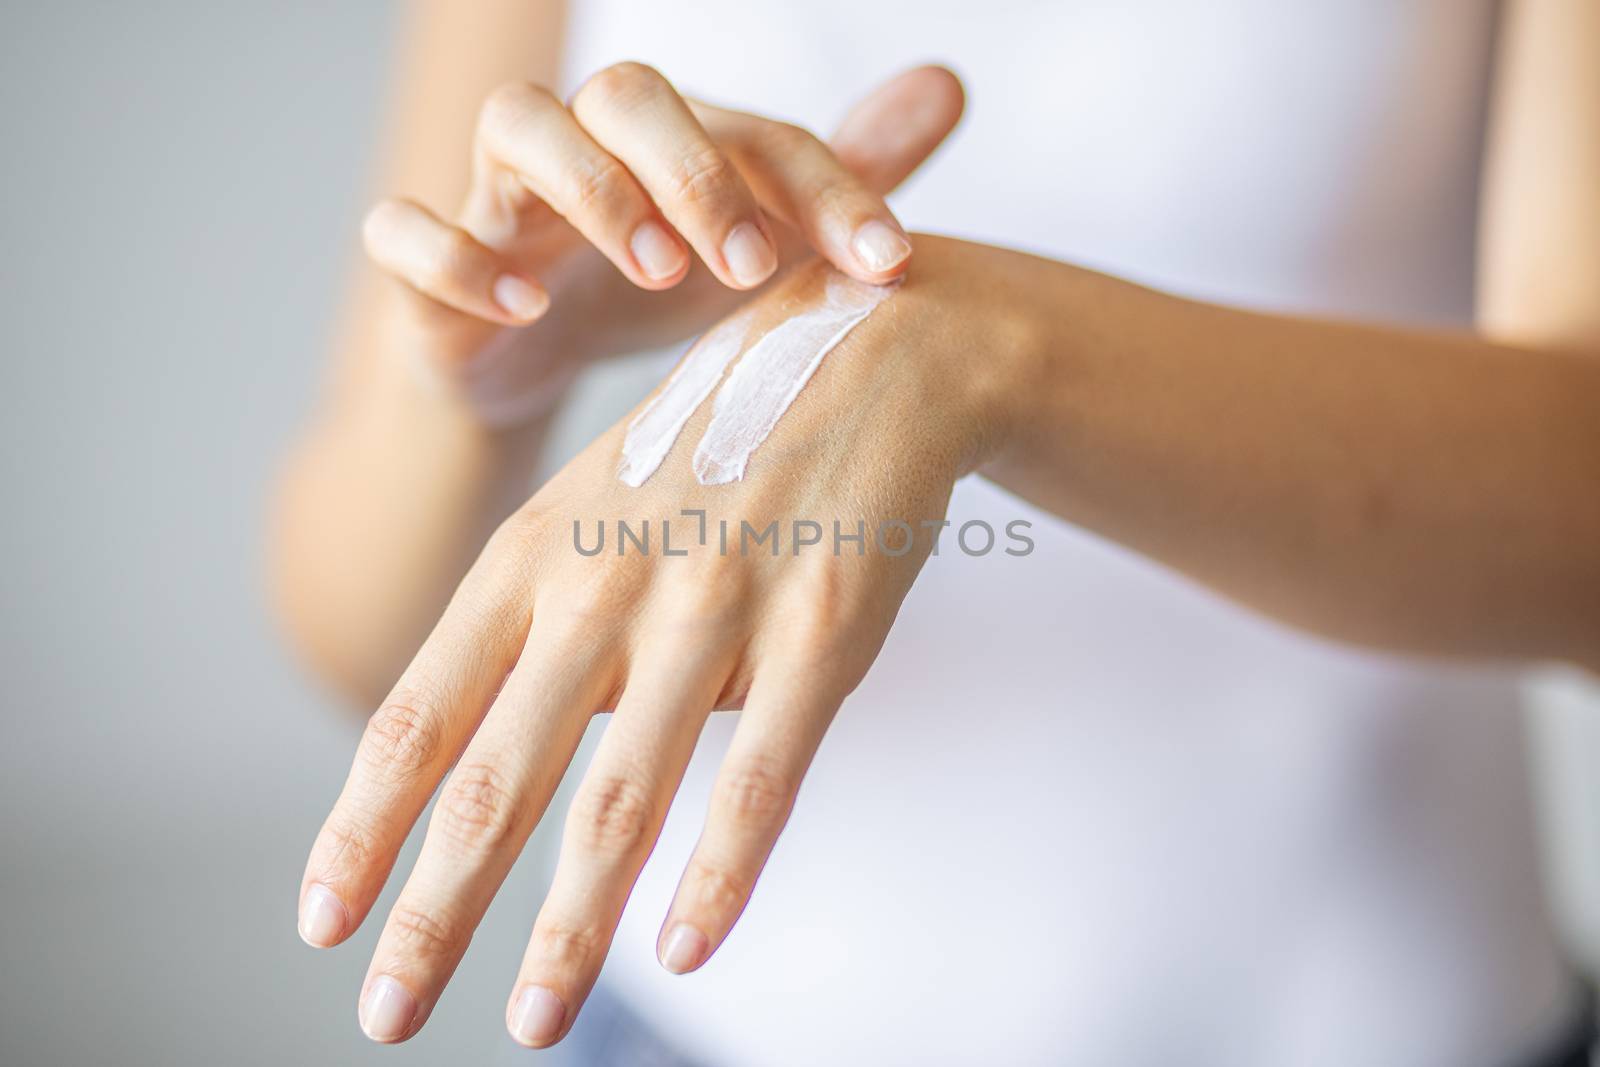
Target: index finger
point(407, 746)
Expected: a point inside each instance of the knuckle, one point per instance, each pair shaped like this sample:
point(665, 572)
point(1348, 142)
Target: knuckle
point(512, 552)
point(612, 815)
point(809, 636)
point(380, 223)
point(815, 639)
point(568, 946)
point(711, 596)
point(840, 196)
point(424, 934)
point(714, 889)
point(703, 175)
point(755, 793)
point(477, 809)
point(824, 627)
point(596, 182)
point(506, 110)
point(350, 847)
point(403, 736)
point(783, 140)
point(602, 593)
point(621, 85)
point(448, 260)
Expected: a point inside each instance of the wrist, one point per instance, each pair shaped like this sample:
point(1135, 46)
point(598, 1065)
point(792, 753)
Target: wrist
point(1027, 327)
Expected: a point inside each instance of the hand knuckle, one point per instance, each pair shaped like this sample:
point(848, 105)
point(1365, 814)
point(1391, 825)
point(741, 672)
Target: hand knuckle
point(621, 85)
point(569, 946)
point(506, 110)
point(380, 223)
point(613, 814)
point(351, 847)
point(838, 196)
point(783, 140)
point(711, 595)
point(423, 933)
point(755, 792)
point(714, 889)
point(824, 624)
point(477, 809)
point(403, 736)
point(703, 175)
point(598, 598)
point(512, 551)
point(447, 261)
point(596, 182)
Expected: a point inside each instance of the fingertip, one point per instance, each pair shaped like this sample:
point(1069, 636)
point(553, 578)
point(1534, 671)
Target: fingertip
point(750, 255)
point(683, 949)
point(520, 298)
point(660, 256)
point(895, 127)
point(379, 222)
point(944, 84)
point(388, 1011)
point(881, 248)
point(324, 919)
point(535, 1017)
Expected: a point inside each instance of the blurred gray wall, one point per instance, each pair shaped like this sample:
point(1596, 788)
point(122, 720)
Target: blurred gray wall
point(181, 186)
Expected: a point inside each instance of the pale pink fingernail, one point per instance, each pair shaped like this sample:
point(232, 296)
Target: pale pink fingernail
point(684, 949)
point(655, 250)
point(879, 246)
point(323, 917)
point(387, 1010)
point(750, 256)
point(518, 298)
point(537, 1017)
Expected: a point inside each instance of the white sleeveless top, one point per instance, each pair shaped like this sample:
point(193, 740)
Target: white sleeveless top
point(1082, 811)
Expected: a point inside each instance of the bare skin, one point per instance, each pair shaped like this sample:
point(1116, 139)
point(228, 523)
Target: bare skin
point(1408, 490)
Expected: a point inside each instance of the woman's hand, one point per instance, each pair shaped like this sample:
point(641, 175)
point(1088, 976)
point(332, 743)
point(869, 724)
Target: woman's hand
point(590, 210)
point(540, 637)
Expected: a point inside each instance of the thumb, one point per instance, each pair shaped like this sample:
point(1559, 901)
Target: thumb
point(891, 131)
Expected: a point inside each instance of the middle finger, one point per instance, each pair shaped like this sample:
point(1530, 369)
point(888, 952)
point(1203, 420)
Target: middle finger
point(485, 811)
point(635, 114)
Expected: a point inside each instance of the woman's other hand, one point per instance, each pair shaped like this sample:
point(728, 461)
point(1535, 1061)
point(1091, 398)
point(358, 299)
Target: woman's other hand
point(580, 216)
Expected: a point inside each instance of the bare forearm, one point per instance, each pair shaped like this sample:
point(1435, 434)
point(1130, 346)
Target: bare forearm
point(1411, 490)
point(382, 506)
point(389, 494)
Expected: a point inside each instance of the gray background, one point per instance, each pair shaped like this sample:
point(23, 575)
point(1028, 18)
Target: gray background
point(182, 184)
point(181, 188)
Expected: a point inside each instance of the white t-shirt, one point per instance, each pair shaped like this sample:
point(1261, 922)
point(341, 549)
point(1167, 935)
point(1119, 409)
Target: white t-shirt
point(1082, 811)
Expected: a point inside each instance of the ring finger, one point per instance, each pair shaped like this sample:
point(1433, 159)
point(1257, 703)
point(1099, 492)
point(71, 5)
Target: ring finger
point(485, 811)
point(615, 818)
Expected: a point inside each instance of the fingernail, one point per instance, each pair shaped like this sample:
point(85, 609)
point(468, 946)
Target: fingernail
point(684, 949)
point(387, 1009)
point(537, 1017)
point(323, 917)
point(750, 256)
point(518, 298)
point(654, 249)
point(879, 246)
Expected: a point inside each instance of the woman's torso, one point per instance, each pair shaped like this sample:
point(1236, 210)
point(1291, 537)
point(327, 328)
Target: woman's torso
point(1081, 811)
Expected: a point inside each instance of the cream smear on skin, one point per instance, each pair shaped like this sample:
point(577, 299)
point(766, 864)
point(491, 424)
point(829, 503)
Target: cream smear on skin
point(755, 394)
point(652, 432)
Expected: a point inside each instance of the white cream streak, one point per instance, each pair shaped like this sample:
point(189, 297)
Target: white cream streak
point(651, 434)
point(755, 395)
point(766, 381)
